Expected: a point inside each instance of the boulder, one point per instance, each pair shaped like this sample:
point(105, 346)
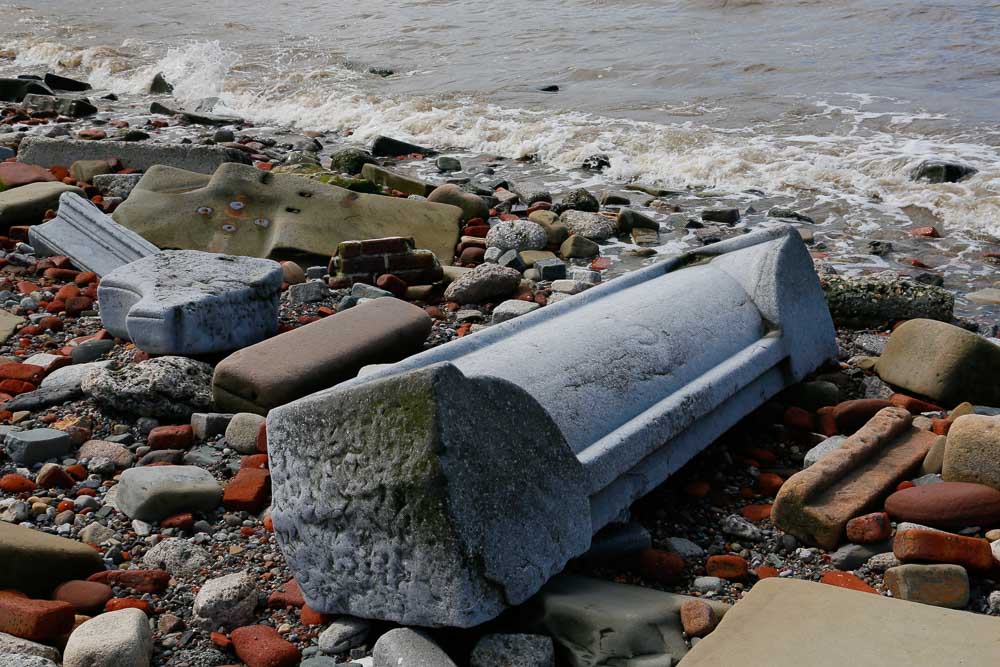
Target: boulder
point(151, 493)
point(815, 504)
point(520, 650)
point(800, 630)
point(487, 282)
point(36, 445)
point(581, 200)
point(591, 226)
point(169, 387)
point(874, 301)
point(36, 562)
point(596, 622)
point(15, 90)
point(142, 156)
point(972, 452)
point(383, 146)
point(189, 303)
point(240, 210)
point(114, 639)
point(226, 602)
point(318, 355)
point(517, 235)
point(942, 171)
point(27, 204)
point(947, 505)
point(242, 431)
point(350, 160)
point(177, 556)
point(943, 362)
point(91, 239)
point(473, 206)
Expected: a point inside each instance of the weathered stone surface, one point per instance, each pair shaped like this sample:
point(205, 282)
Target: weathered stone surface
point(48, 152)
point(484, 283)
point(938, 585)
point(593, 226)
point(244, 211)
point(36, 562)
point(241, 434)
point(343, 634)
point(15, 646)
point(226, 602)
point(393, 180)
point(188, 302)
point(413, 648)
point(27, 204)
point(948, 505)
point(423, 457)
point(517, 235)
point(151, 493)
point(36, 445)
point(874, 301)
point(627, 424)
point(169, 387)
point(972, 452)
point(513, 651)
point(815, 504)
point(91, 239)
point(318, 355)
point(943, 362)
point(473, 206)
point(597, 622)
point(798, 630)
point(178, 557)
point(114, 639)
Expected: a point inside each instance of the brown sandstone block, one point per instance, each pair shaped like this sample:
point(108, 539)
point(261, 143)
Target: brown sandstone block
point(815, 504)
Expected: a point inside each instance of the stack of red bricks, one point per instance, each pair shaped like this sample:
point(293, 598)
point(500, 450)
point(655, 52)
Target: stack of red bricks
point(365, 261)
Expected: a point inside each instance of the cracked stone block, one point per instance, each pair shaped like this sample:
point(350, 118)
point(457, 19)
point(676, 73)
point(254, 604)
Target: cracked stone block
point(91, 239)
point(48, 152)
point(245, 211)
point(188, 302)
point(617, 407)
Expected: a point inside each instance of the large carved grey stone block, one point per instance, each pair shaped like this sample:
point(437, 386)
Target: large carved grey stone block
point(384, 486)
point(46, 152)
point(91, 239)
point(190, 302)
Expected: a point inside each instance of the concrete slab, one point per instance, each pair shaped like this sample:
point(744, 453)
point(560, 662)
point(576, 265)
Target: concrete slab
point(791, 623)
point(49, 152)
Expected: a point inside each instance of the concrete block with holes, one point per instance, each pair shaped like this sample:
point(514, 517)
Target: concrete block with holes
point(581, 408)
point(241, 210)
point(188, 302)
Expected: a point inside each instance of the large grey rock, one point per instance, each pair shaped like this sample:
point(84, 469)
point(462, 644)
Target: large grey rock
point(513, 651)
point(11, 645)
point(878, 300)
point(178, 557)
point(612, 410)
point(36, 445)
point(517, 235)
point(412, 648)
point(71, 377)
point(169, 387)
point(226, 602)
point(484, 283)
point(27, 204)
point(599, 623)
point(91, 239)
point(113, 639)
point(240, 210)
point(48, 152)
point(593, 226)
point(188, 302)
point(151, 493)
point(814, 624)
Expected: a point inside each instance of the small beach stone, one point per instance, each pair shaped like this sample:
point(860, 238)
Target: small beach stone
point(226, 602)
point(241, 434)
point(113, 639)
point(413, 648)
point(512, 308)
point(484, 283)
point(343, 634)
point(154, 492)
point(177, 556)
point(592, 226)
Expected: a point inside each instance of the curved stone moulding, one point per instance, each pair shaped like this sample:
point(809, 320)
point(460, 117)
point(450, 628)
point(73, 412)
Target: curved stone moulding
point(634, 377)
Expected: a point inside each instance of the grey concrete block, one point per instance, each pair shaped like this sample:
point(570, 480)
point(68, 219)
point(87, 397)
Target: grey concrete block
point(116, 185)
point(91, 239)
point(413, 648)
point(36, 445)
point(152, 493)
point(27, 204)
point(47, 152)
point(633, 397)
point(189, 302)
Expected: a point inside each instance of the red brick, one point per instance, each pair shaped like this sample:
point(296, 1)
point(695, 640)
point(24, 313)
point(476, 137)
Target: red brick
point(254, 461)
point(926, 232)
point(391, 283)
point(262, 646)
point(825, 423)
point(287, 595)
point(766, 572)
point(114, 604)
point(67, 292)
point(309, 616)
point(726, 567)
point(184, 521)
point(925, 546)
point(914, 405)
point(387, 246)
point(85, 278)
point(171, 437)
point(248, 491)
point(799, 419)
point(846, 580)
point(24, 372)
point(852, 415)
point(662, 566)
point(768, 484)
point(15, 387)
point(37, 620)
point(27, 287)
point(697, 489)
point(140, 581)
point(220, 640)
point(15, 483)
point(869, 528)
point(756, 512)
point(262, 438)
point(86, 597)
point(59, 274)
point(77, 304)
point(54, 476)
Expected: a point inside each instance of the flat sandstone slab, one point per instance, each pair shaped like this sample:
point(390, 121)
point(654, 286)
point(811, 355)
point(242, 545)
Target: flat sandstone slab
point(35, 562)
point(188, 302)
point(793, 623)
point(815, 504)
point(318, 355)
point(48, 152)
